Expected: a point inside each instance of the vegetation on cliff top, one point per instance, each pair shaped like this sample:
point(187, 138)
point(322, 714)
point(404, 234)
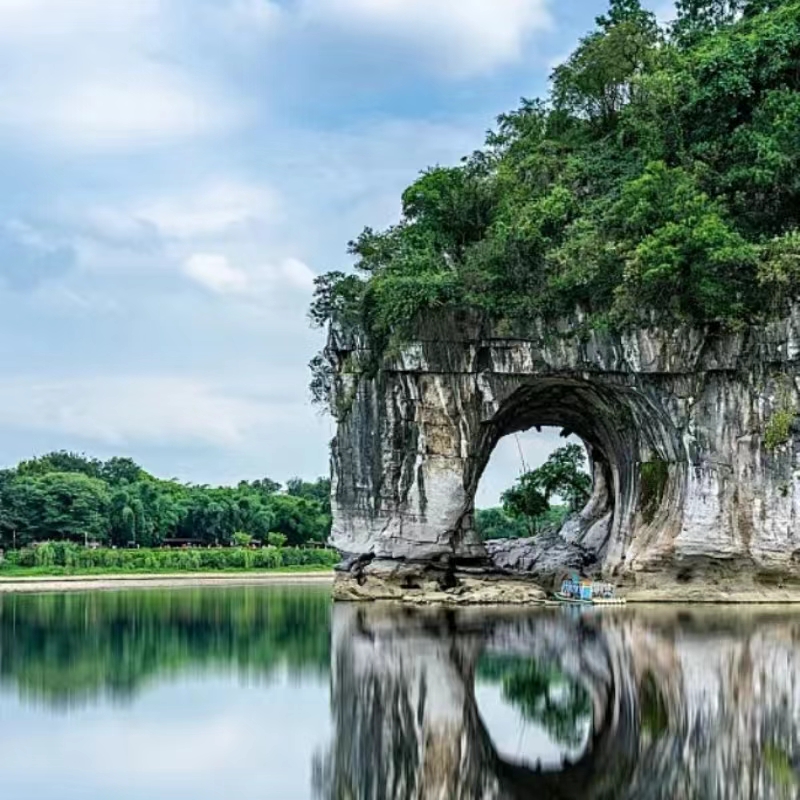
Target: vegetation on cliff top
point(658, 181)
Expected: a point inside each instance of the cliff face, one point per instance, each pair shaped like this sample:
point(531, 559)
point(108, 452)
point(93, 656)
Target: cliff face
point(692, 435)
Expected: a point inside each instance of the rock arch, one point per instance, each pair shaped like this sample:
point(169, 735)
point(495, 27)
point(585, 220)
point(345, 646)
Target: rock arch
point(623, 430)
point(677, 421)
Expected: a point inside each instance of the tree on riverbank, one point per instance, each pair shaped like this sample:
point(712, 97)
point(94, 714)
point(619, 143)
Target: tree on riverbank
point(70, 497)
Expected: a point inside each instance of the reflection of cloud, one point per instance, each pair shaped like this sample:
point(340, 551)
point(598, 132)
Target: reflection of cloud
point(516, 738)
point(465, 37)
point(201, 738)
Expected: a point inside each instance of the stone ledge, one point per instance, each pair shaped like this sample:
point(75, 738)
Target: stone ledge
point(424, 588)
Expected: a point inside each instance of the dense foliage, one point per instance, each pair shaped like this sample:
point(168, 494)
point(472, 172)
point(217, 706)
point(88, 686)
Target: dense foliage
point(69, 497)
point(658, 182)
point(56, 558)
point(498, 523)
point(527, 506)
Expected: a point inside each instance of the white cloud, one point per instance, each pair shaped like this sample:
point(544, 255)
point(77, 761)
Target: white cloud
point(88, 75)
point(145, 106)
point(212, 210)
point(47, 20)
point(296, 274)
point(465, 37)
point(120, 410)
point(259, 14)
point(216, 273)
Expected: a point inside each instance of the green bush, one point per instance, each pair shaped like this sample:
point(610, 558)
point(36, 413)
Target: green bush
point(69, 557)
point(242, 539)
point(276, 539)
point(779, 428)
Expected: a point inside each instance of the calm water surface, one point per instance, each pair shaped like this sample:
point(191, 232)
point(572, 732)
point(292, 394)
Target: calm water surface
point(274, 693)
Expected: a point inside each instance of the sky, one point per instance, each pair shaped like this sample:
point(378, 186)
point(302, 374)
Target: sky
point(176, 172)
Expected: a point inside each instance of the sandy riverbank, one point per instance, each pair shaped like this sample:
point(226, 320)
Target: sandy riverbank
point(83, 583)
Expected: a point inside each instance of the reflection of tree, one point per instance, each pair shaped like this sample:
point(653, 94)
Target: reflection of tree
point(542, 695)
point(68, 648)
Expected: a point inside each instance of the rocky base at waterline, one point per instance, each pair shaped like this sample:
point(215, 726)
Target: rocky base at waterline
point(430, 585)
point(420, 585)
point(526, 571)
point(515, 572)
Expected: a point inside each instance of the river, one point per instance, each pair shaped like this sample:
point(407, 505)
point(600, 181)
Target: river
point(272, 692)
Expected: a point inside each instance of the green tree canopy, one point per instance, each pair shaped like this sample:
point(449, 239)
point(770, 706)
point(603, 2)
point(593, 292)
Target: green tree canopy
point(562, 474)
point(69, 496)
point(658, 182)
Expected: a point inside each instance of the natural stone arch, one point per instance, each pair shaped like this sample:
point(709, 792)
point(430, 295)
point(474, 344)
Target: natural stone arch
point(677, 420)
point(636, 454)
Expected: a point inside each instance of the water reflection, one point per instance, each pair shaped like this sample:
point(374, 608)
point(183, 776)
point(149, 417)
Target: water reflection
point(70, 650)
point(665, 704)
point(213, 693)
point(164, 695)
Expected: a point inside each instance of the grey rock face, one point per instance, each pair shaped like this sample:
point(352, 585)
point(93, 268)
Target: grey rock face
point(676, 422)
point(546, 556)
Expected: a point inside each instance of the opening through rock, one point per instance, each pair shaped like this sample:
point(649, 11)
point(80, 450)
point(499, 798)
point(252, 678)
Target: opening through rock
point(534, 482)
point(628, 445)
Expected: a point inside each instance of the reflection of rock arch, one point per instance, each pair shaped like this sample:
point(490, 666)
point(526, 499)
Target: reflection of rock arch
point(407, 725)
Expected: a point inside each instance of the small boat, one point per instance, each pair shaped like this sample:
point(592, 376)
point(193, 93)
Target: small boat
point(580, 591)
point(565, 598)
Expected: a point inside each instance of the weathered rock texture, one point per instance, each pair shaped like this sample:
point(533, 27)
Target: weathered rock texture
point(685, 707)
point(675, 422)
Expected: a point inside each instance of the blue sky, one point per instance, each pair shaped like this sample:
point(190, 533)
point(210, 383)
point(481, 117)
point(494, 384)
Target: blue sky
point(175, 172)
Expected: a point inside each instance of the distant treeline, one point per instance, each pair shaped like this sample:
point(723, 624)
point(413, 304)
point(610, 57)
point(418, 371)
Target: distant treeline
point(70, 497)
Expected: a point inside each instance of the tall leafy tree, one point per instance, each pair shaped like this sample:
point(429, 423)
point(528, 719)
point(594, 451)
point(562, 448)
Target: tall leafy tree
point(599, 78)
point(562, 474)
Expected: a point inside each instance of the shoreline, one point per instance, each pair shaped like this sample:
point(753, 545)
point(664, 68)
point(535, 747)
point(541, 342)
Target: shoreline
point(79, 583)
point(480, 593)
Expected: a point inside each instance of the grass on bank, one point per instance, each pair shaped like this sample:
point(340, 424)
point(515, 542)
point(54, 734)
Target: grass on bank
point(99, 572)
point(58, 559)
